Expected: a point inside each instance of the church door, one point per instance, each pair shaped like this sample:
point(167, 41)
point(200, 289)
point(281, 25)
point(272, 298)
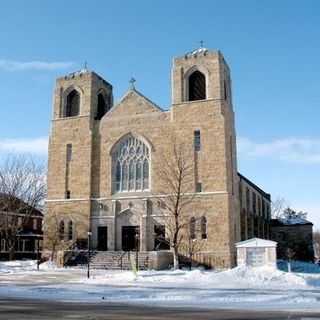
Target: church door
point(130, 238)
point(102, 239)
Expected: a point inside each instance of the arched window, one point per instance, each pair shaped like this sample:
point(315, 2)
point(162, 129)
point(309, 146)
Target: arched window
point(70, 230)
point(131, 167)
point(73, 104)
point(197, 86)
point(102, 108)
point(192, 227)
point(61, 230)
point(203, 228)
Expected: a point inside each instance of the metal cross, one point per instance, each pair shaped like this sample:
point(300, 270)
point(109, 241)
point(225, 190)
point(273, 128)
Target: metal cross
point(85, 65)
point(132, 81)
point(201, 43)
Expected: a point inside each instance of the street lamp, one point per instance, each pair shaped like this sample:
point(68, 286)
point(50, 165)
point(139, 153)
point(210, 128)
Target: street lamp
point(38, 253)
point(89, 253)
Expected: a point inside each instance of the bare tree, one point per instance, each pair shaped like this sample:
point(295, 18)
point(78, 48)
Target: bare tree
point(278, 206)
point(176, 178)
point(53, 234)
point(22, 191)
point(57, 236)
point(191, 244)
point(289, 213)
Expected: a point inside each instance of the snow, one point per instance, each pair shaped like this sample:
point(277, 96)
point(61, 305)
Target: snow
point(293, 220)
point(256, 242)
point(241, 287)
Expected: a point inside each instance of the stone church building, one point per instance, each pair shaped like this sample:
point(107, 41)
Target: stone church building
point(104, 159)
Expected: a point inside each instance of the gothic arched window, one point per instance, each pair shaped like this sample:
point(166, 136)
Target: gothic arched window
point(197, 86)
point(73, 104)
point(192, 227)
point(61, 230)
point(70, 230)
point(131, 165)
point(103, 106)
point(203, 228)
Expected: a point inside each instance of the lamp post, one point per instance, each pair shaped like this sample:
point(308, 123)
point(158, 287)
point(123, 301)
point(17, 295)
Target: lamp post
point(89, 253)
point(137, 249)
point(38, 253)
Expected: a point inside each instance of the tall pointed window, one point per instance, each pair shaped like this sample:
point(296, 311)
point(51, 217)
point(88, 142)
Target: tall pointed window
point(61, 230)
point(70, 230)
point(131, 166)
point(192, 228)
point(73, 104)
point(203, 228)
point(103, 106)
point(197, 86)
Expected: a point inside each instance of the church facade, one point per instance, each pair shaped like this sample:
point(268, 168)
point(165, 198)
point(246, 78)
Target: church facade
point(104, 160)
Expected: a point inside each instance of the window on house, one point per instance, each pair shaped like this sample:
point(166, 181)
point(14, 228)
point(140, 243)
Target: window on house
point(102, 107)
point(131, 166)
point(198, 187)
point(192, 227)
point(70, 230)
point(248, 200)
point(259, 206)
point(73, 104)
point(254, 202)
point(197, 86)
point(203, 228)
point(61, 230)
point(197, 140)
point(225, 91)
point(68, 194)
point(35, 224)
point(69, 152)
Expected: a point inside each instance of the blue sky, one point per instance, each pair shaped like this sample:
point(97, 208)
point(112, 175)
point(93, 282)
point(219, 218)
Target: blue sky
point(272, 47)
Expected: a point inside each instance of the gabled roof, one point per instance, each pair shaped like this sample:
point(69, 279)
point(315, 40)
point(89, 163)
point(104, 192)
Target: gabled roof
point(141, 102)
point(16, 205)
point(256, 242)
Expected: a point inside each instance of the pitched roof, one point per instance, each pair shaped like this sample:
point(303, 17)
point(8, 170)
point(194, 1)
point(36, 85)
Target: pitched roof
point(17, 205)
point(256, 242)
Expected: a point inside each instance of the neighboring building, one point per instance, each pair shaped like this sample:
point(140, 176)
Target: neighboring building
point(255, 210)
point(104, 160)
point(257, 252)
point(295, 234)
point(27, 226)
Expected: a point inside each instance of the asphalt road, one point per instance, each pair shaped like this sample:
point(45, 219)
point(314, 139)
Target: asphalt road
point(18, 309)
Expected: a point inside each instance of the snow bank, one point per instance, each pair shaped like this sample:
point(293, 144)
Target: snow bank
point(241, 287)
point(17, 266)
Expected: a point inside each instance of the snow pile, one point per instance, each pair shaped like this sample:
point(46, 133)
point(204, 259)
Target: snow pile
point(238, 288)
point(240, 277)
point(17, 266)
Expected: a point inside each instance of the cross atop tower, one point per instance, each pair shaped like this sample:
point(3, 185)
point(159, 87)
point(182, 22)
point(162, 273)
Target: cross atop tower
point(201, 43)
point(132, 82)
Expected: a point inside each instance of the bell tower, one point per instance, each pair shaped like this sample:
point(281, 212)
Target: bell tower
point(201, 75)
point(202, 100)
point(81, 99)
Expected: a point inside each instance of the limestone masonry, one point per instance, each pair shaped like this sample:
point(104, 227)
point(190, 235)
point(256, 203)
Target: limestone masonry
point(104, 160)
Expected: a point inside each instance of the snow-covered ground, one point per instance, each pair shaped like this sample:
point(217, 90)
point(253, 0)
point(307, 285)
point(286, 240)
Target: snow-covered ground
point(245, 288)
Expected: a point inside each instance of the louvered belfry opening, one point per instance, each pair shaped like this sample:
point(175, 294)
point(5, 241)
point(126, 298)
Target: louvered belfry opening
point(197, 86)
point(73, 104)
point(101, 109)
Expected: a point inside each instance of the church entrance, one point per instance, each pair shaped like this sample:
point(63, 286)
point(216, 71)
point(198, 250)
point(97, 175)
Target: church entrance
point(130, 238)
point(102, 239)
